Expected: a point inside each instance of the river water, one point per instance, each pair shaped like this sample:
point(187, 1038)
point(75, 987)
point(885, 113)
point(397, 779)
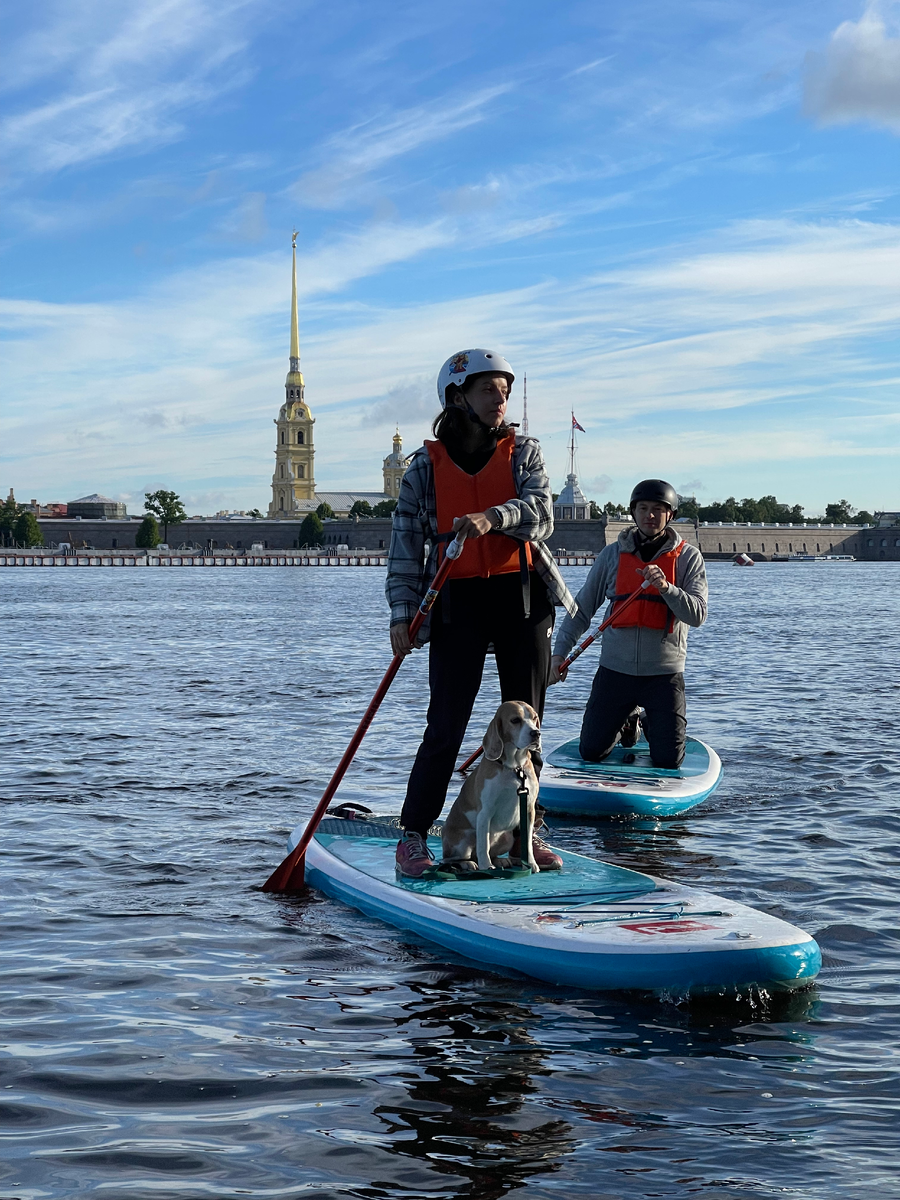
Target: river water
point(170, 1032)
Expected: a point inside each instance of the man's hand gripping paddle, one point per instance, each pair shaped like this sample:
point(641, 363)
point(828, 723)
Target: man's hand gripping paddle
point(576, 653)
point(290, 875)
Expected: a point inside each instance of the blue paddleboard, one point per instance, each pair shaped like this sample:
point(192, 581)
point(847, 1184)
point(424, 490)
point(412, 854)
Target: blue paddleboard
point(591, 925)
point(570, 786)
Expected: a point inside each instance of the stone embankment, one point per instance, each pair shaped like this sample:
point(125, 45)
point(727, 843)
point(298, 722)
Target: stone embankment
point(248, 540)
point(49, 558)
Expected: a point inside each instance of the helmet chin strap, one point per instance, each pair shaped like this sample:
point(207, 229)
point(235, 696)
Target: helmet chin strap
point(473, 416)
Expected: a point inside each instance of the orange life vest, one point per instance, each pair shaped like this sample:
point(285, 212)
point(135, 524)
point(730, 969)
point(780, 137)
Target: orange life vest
point(458, 493)
point(651, 610)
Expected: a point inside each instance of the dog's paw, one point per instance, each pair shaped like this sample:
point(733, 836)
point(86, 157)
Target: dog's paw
point(502, 864)
point(467, 865)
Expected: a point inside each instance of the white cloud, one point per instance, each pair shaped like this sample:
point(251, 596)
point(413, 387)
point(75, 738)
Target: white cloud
point(668, 366)
point(357, 152)
point(857, 78)
point(126, 74)
point(412, 402)
point(599, 485)
point(247, 223)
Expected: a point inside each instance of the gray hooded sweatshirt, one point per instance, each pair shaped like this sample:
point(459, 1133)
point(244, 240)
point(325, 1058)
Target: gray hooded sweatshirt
point(633, 649)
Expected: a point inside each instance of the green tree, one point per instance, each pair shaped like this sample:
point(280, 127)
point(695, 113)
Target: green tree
point(325, 512)
point(148, 533)
point(384, 508)
point(840, 513)
point(311, 531)
point(26, 531)
point(768, 509)
point(864, 517)
point(360, 508)
point(687, 507)
point(166, 507)
point(750, 510)
point(9, 512)
point(255, 514)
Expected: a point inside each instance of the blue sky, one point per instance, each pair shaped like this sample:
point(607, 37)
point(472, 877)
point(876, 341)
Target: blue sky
point(680, 219)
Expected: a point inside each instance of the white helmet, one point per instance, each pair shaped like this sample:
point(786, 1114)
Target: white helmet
point(471, 362)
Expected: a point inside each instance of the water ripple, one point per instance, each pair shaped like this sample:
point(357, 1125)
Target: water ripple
point(170, 1032)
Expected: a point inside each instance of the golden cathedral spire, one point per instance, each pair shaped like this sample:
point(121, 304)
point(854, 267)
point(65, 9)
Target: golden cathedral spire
point(293, 480)
point(295, 324)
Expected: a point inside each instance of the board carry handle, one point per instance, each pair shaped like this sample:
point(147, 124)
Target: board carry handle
point(289, 876)
point(576, 653)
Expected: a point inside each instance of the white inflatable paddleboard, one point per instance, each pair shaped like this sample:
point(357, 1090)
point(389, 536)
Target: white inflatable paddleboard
point(570, 786)
point(590, 925)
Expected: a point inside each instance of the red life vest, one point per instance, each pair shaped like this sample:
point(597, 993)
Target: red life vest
point(458, 493)
point(651, 610)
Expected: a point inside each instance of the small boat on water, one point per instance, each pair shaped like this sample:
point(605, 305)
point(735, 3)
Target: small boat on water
point(627, 783)
point(591, 925)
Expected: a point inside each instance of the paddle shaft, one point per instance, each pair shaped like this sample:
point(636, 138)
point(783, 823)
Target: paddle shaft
point(617, 612)
point(289, 876)
point(567, 662)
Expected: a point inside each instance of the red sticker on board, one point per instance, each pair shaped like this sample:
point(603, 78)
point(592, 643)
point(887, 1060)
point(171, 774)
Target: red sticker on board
point(686, 926)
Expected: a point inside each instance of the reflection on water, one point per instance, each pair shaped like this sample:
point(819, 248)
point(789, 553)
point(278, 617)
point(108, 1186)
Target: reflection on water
point(172, 1032)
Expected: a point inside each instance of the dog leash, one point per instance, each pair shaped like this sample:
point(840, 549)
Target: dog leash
point(525, 829)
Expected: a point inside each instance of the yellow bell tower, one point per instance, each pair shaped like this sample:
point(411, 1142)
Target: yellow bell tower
point(394, 468)
point(294, 477)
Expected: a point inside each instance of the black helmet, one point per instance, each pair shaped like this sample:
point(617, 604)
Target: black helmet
point(655, 490)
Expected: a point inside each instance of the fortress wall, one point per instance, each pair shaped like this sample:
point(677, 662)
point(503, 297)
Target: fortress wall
point(715, 541)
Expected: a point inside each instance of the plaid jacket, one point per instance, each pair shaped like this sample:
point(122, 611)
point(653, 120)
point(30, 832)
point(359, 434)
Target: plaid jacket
point(528, 518)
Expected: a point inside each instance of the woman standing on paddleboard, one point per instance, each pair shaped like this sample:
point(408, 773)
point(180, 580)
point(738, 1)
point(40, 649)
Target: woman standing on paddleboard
point(480, 480)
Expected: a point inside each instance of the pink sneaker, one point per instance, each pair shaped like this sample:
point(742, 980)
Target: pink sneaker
point(544, 856)
point(414, 859)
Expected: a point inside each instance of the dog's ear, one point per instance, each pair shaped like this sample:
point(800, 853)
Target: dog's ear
point(493, 741)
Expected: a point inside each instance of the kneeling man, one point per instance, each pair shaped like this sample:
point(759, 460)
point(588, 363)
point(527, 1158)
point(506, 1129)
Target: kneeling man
point(642, 653)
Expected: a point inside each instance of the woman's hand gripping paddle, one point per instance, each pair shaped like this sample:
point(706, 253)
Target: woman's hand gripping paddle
point(289, 876)
point(576, 653)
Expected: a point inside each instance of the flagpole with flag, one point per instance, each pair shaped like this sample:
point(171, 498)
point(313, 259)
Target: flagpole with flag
point(573, 445)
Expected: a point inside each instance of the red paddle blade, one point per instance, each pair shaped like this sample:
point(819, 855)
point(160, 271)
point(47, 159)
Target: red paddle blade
point(290, 876)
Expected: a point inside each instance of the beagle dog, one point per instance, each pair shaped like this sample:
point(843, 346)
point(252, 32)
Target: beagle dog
point(485, 815)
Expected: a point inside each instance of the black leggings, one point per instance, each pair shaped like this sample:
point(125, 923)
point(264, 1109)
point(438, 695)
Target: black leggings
point(614, 695)
point(469, 615)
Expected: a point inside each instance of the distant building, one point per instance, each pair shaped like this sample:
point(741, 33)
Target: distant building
point(53, 509)
point(572, 504)
point(395, 468)
point(293, 482)
point(294, 477)
point(94, 507)
point(885, 520)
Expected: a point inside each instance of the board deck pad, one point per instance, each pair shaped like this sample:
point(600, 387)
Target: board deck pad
point(567, 757)
point(580, 878)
